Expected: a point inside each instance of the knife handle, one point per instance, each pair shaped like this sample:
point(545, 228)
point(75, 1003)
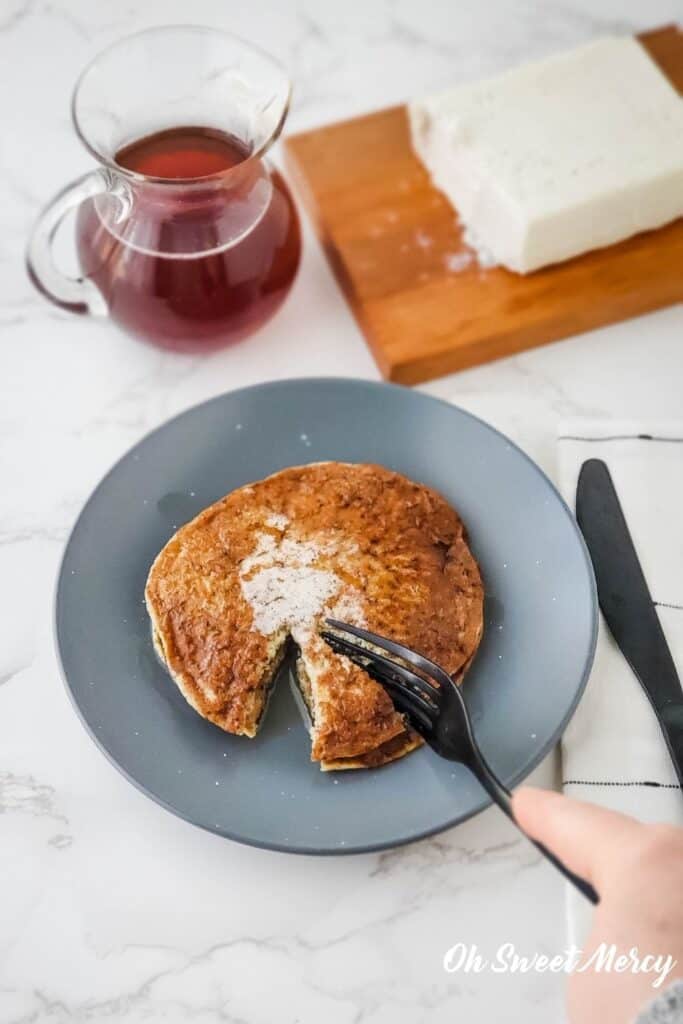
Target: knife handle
point(626, 601)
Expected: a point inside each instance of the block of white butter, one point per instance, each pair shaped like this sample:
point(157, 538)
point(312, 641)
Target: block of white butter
point(550, 160)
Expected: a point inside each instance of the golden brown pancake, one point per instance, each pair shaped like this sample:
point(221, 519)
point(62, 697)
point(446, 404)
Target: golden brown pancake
point(271, 560)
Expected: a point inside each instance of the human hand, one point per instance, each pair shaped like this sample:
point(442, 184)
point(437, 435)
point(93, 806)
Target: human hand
point(637, 871)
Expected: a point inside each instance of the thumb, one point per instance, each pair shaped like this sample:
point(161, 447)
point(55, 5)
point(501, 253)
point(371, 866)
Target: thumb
point(587, 838)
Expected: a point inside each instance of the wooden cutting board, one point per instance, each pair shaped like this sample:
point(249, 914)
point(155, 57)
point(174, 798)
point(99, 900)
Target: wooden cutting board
point(396, 249)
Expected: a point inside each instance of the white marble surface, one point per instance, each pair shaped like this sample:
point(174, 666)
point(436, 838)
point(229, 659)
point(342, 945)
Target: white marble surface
point(111, 909)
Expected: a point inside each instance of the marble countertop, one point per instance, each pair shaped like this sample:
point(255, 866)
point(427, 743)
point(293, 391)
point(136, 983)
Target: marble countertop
point(110, 908)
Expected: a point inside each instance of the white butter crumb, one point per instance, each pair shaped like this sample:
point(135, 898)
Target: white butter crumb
point(485, 257)
point(458, 261)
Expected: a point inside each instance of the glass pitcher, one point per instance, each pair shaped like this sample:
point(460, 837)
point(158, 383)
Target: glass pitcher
point(186, 237)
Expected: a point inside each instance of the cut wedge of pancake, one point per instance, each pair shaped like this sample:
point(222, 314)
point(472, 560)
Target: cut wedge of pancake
point(266, 564)
point(390, 750)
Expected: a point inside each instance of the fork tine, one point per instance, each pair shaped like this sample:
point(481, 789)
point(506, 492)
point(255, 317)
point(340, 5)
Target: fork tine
point(387, 671)
point(407, 704)
point(418, 660)
point(409, 680)
point(404, 697)
point(340, 645)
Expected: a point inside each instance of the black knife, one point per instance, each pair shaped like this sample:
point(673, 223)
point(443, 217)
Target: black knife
point(626, 602)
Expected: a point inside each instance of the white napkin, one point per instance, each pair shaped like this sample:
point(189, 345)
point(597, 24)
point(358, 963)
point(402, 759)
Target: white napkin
point(613, 752)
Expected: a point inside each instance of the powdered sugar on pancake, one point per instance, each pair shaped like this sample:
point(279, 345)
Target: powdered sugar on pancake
point(287, 588)
point(277, 520)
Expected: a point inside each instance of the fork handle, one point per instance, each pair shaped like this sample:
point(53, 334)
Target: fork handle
point(579, 883)
point(501, 795)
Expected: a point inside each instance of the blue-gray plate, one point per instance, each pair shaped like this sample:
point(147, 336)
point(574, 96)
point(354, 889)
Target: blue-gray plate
point(526, 680)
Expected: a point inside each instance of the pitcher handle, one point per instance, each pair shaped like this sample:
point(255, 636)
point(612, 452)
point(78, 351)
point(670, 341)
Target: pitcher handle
point(77, 294)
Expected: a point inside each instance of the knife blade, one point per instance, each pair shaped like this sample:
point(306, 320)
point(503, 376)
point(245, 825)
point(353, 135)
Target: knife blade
point(626, 602)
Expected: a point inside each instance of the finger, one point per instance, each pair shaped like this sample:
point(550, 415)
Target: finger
point(587, 838)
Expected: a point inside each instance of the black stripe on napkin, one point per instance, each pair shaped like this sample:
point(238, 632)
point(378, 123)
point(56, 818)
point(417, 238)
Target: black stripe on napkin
point(622, 437)
point(643, 782)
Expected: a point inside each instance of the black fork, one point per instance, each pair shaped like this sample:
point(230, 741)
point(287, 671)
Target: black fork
point(437, 711)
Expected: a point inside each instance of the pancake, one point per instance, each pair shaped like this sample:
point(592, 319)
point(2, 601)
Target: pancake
point(260, 569)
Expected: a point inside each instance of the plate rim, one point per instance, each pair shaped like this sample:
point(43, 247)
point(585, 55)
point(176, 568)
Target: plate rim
point(526, 768)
